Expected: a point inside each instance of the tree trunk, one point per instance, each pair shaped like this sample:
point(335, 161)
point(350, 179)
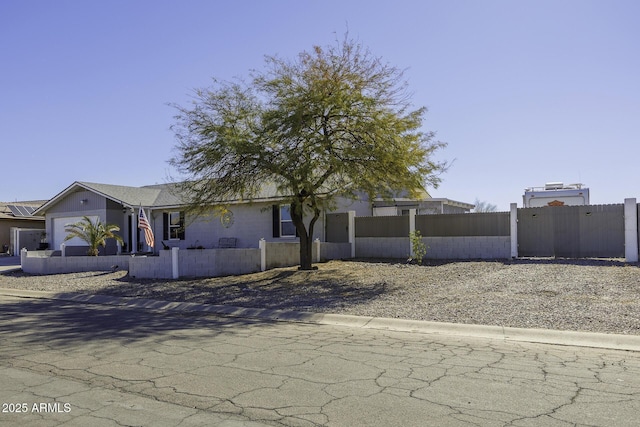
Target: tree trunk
point(306, 252)
point(306, 236)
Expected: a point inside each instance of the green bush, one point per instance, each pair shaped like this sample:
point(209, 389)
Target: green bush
point(418, 246)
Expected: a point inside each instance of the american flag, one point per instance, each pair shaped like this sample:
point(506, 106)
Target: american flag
point(143, 223)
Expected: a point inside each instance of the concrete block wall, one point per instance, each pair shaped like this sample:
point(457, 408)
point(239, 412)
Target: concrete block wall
point(197, 263)
point(470, 247)
point(151, 267)
point(334, 251)
point(191, 263)
point(382, 247)
point(285, 254)
point(41, 262)
point(33, 265)
point(218, 262)
point(237, 261)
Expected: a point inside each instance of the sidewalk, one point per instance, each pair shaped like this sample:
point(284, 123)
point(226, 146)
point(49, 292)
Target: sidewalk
point(541, 336)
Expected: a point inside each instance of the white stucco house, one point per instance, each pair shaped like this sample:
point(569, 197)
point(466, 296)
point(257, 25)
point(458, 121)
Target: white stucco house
point(242, 226)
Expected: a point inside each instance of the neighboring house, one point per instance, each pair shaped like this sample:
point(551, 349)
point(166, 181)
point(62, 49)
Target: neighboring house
point(19, 215)
point(424, 206)
point(242, 225)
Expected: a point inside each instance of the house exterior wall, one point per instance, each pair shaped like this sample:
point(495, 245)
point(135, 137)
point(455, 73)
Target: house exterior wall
point(73, 204)
point(251, 222)
point(7, 224)
point(438, 207)
point(448, 209)
point(79, 204)
point(362, 206)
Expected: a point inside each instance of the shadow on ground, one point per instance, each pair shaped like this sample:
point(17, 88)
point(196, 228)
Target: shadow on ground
point(275, 289)
point(54, 323)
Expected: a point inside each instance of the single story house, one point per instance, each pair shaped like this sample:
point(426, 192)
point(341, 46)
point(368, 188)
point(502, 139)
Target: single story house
point(16, 216)
point(424, 206)
point(242, 225)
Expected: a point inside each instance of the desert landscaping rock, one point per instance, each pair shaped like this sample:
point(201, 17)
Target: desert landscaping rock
point(576, 295)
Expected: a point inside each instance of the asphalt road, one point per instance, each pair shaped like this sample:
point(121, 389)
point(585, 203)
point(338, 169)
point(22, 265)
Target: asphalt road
point(67, 363)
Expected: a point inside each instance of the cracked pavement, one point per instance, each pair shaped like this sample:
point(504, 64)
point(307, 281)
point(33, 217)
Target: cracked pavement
point(116, 366)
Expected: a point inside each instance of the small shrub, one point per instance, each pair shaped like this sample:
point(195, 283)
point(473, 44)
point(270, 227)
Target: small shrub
point(418, 246)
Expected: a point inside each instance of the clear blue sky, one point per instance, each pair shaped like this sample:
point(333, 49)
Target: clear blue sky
point(524, 92)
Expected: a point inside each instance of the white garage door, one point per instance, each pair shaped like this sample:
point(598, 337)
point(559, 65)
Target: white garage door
point(59, 234)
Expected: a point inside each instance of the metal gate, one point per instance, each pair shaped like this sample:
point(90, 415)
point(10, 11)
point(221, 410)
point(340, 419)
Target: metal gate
point(337, 227)
point(572, 231)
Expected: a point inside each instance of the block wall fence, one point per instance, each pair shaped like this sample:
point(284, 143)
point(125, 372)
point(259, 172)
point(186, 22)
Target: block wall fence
point(177, 263)
point(598, 231)
point(448, 236)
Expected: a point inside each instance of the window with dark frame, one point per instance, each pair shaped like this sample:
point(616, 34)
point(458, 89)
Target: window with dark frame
point(287, 229)
point(173, 226)
point(282, 222)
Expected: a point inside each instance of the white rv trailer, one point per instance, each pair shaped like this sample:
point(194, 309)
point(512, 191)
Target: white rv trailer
point(556, 194)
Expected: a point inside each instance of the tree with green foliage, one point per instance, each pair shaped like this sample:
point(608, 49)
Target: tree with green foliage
point(93, 233)
point(335, 121)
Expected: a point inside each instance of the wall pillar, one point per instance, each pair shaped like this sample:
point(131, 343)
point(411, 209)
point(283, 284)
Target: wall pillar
point(352, 232)
point(134, 232)
point(412, 229)
point(513, 218)
point(63, 250)
point(630, 230)
point(15, 250)
point(23, 256)
point(316, 243)
point(175, 267)
point(263, 254)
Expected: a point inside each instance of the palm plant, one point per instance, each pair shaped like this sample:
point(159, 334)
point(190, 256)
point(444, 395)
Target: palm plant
point(95, 234)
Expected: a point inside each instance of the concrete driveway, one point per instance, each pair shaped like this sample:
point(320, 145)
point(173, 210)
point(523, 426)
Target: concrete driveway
point(101, 365)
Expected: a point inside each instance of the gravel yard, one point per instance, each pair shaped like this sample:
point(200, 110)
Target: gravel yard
point(579, 295)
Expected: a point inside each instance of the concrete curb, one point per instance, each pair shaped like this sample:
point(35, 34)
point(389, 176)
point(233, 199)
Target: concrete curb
point(543, 336)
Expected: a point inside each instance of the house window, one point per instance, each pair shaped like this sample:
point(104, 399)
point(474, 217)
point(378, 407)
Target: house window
point(173, 226)
point(287, 229)
point(282, 223)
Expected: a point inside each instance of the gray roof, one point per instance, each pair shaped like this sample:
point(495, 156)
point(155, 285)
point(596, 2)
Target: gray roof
point(159, 196)
point(151, 196)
